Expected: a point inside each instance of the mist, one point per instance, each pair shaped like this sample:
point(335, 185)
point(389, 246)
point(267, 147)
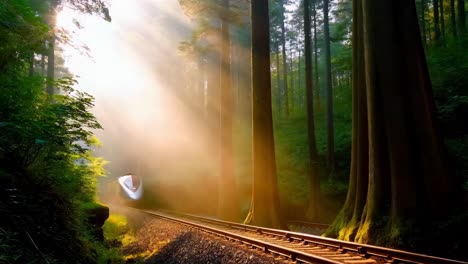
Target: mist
point(139, 83)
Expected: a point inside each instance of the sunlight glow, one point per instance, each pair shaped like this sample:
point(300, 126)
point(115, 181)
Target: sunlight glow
point(134, 73)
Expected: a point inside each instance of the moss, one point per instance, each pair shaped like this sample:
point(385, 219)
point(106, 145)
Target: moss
point(334, 229)
point(152, 251)
point(90, 205)
point(115, 227)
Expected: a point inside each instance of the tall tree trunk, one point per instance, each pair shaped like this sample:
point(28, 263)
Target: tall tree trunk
point(265, 209)
point(299, 76)
point(246, 107)
point(245, 79)
point(235, 73)
point(461, 16)
point(328, 85)
point(285, 63)
point(278, 80)
point(453, 22)
point(442, 19)
point(435, 10)
point(199, 85)
point(423, 21)
point(51, 66)
point(398, 177)
point(51, 48)
point(43, 65)
point(213, 104)
point(227, 209)
point(31, 65)
point(292, 83)
point(299, 69)
point(314, 195)
point(316, 79)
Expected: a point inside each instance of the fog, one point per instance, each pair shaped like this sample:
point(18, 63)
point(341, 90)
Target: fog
point(151, 127)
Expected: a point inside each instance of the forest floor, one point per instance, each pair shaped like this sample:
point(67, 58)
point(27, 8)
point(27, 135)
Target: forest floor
point(158, 241)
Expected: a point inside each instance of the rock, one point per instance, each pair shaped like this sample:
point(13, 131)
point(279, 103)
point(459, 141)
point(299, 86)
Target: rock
point(97, 215)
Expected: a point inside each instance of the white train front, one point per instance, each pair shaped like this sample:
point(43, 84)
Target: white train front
point(131, 186)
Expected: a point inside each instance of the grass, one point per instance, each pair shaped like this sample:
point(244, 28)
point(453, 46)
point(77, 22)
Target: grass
point(115, 228)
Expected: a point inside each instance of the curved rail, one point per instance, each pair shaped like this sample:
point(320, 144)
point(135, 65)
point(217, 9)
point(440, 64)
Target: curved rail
point(366, 252)
point(292, 254)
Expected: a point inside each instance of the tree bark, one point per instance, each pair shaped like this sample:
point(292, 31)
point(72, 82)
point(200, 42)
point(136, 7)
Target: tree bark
point(285, 63)
point(299, 76)
point(328, 85)
point(43, 65)
point(245, 80)
point(461, 16)
point(227, 209)
point(453, 22)
point(314, 195)
point(51, 66)
point(265, 202)
point(278, 80)
point(51, 49)
point(316, 79)
point(31, 65)
point(213, 95)
point(399, 176)
point(435, 10)
point(423, 21)
point(442, 19)
point(292, 84)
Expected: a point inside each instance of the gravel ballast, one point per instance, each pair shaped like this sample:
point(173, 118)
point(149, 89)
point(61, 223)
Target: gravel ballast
point(171, 243)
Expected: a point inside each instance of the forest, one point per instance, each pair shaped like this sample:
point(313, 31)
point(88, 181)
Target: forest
point(341, 112)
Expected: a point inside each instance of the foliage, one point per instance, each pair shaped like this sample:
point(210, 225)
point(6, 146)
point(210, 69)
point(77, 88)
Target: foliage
point(46, 151)
point(115, 227)
point(448, 65)
point(292, 161)
point(21, 33)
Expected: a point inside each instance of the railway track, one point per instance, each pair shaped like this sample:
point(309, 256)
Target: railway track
point(299, 247)
point(308, 224)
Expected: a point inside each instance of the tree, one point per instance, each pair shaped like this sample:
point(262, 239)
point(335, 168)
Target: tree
point(195, 51)
point(217, 17)
point(442, 19)
point(314, 195)
point(276, 20)
point(453, 22)
point(51, 53)
point(227, 193)
point(285, 63)
point(461, 16)
point(264, 209)
point(82, 6)
point(399, 178)
point(316, 79)
point(435, 10)
point(328, 85)
point(278, 77)
point(423, 21)
point(42, 148)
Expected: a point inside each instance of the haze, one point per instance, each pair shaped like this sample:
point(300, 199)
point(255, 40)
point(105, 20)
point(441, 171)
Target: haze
point(137, 78)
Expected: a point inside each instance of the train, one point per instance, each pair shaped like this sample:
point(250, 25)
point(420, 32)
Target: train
point(131, 186)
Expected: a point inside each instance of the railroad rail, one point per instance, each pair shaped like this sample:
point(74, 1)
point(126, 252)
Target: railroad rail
point(299, 247)
point(308, 224)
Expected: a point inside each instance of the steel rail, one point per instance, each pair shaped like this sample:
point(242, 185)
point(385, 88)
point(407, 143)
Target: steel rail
point(307, 224)
point(292, 254)
point(389, 255)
